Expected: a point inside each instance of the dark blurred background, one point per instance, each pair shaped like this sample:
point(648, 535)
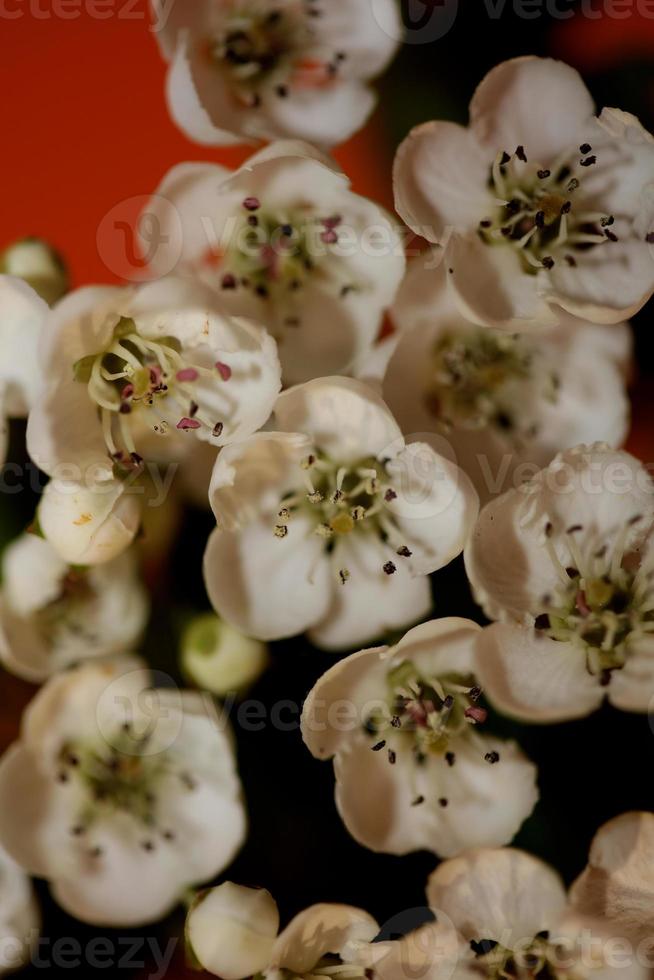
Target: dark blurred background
point(85, 132)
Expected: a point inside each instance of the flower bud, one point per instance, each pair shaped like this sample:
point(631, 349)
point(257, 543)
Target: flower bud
point(231, 930)
point(88, 525)
point(39, 265)
point(218, 658)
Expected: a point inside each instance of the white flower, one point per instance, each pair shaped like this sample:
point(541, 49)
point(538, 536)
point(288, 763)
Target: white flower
point(19, 915)
point(249, 70)
point(286, 242)
point(566, 564)
point(53, 615)
point(134, 372)
point(219, 658)
point(410, 738)
point(331, 523)
point(618, 883)
point(39, 265)
point(121, 797)
point(89, 525)
point(233, 932)
point(22, 314)
point(504, 403)
point(509, 914)
point(539, 205)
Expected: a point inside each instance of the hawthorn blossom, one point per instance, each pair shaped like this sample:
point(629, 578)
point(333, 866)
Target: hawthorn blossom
point(53, 614)
point(22, 314)
point(39, 265)
point(618, 883)
point(502, 912)
point(286, 242)
point(89, 525)
point(136, 372)
point(19, 916)
point(539, 205)
point(331, 523)
point(233, 932)
point(504, 403)
point(120, 796)
point(565, 564)
point(416, 741)
point(248, 70)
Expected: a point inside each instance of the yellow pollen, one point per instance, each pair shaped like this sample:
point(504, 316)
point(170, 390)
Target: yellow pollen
point(83, 519)
point(141, 381)
point(599, 593)
point(342, 524)
point(551, 205)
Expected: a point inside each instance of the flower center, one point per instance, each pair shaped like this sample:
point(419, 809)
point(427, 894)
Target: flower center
point(602, 604)
point(427, 713)
point(148, 380)
point(262, 48)
point(274, 255)
point(542, 957)
point(120, 777)
point(477, 376)
point(342, 500)
point(541, 212)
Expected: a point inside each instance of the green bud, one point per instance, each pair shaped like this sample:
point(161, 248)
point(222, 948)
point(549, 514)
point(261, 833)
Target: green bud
point(219, 659)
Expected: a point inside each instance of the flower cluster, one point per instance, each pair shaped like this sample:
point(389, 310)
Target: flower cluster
point(354, 425)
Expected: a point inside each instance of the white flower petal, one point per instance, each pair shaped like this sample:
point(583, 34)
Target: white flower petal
point(353, 682)
point(31, 574)
point(371, 601)
point(324, 116)
point(469, 804)
point(33, 828)
point(632, 687)
point(319, 930)
point(89, 525)
point(533, 677)
point(491, 288)
point(439, 177)
point(231, 930)
point(502, 895)
point(250, 478)
point(618, 883)
point(611, 283)
point(20, 919)
point(173, 234)
point(432, 952)
point(435, 508)
point(344, 418)
point(266, 586)
point(539, 103)
point(22, 317)
point(126, 886)
point(198, 100)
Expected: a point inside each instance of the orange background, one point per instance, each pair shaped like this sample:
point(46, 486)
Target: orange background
point(86, 133)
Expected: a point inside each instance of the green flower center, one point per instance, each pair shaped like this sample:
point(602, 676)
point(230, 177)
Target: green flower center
point(140, 378)
point(479, 378)
point(603, 604)
point(120, 776)
point(258, 45)
point(275, 255)
point(344, 500)
point(541, 212)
